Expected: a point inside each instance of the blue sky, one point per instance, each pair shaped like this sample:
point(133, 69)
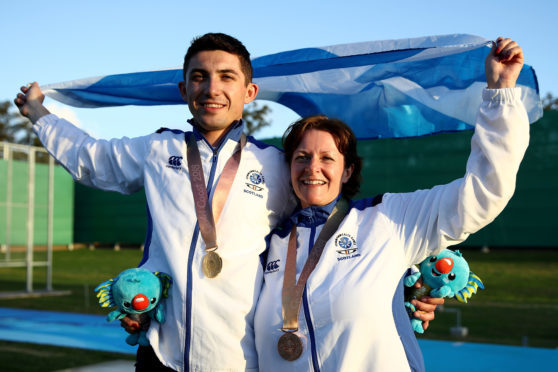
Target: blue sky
point(63, 40)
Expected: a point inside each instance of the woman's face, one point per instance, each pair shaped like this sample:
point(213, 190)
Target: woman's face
point(318, 169)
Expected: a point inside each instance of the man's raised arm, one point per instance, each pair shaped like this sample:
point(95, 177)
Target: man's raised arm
point(30, 102)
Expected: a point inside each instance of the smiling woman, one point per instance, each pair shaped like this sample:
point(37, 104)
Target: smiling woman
point(336, 265)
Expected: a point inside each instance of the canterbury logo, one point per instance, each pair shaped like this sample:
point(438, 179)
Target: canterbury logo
point(175, 161)
point(272, 267)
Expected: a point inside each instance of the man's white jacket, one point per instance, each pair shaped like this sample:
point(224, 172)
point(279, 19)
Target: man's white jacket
point(209, 322)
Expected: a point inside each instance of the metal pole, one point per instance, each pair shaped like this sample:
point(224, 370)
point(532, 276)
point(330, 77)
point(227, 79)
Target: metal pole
point(50, 221)
point(458, 318)
point(3, 248)
point(30, 218)
point(8, 156)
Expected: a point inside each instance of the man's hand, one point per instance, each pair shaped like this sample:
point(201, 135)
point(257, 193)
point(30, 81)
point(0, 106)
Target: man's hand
point(425, 309)
point(30, 102)
point(131, 326)
point(503, 64)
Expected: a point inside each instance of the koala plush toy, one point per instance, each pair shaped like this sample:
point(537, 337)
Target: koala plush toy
point(136, 293)
point(444, 275)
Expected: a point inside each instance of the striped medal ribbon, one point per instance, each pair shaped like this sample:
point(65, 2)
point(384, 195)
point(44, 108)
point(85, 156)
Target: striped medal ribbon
point(290, 345)
point(206, 214)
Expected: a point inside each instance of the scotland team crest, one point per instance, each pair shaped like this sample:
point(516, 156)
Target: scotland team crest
point(255, 180)
point(346, 244)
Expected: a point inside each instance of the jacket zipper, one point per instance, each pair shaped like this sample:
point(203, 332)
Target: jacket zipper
point(189, 267)
point(307, 311)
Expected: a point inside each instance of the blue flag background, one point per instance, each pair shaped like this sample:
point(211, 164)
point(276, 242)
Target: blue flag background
point(382, 89)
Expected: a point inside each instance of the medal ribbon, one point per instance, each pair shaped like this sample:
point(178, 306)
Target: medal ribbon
point(293, 290)
point(204, 213)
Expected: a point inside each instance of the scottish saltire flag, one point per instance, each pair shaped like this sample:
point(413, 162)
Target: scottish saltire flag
point(382, 89)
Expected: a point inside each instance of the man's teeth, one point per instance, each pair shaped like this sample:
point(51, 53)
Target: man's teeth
point(214, 105)
point(313, 182)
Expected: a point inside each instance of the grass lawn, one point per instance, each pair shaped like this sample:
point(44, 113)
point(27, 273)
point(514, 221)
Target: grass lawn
point(518, 305)
point(79, 271)
point(22, 357)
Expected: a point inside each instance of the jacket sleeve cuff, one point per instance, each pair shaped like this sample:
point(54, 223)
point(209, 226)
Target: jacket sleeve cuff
point(503, 95)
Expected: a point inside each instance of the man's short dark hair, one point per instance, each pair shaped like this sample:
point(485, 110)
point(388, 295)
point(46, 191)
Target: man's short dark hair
point(224, 42)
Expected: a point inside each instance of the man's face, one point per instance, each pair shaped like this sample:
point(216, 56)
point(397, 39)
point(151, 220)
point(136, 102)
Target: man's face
point(216, 91)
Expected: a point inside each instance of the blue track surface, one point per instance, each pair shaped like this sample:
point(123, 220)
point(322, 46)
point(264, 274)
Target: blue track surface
point(94, 332)
point(63, 329)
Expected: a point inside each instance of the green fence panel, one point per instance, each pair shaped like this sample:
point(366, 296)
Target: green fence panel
point(62, 211)
point(108, 217)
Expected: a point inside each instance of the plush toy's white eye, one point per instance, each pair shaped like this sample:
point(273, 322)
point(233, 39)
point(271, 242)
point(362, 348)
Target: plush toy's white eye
point(433, 259)
point(126, 304)
point(153, 300)
point(451, 276)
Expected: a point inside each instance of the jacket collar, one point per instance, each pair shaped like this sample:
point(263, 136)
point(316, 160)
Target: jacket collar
point(314, 215)
point(233, 133)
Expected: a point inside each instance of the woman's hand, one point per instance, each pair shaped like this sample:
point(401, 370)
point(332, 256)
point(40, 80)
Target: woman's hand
point(425, 309)
point(503, 64)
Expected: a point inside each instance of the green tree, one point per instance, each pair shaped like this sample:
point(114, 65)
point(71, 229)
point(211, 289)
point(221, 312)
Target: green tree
point(6, 120)
point(255, 117)
point(14, 127)
point(549, 102)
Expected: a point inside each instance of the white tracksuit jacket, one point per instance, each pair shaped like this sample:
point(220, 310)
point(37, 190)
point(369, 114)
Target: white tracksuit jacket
point(346, 315)
point(209, 322)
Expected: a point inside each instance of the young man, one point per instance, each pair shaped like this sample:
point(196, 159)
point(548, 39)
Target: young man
point(209, 322)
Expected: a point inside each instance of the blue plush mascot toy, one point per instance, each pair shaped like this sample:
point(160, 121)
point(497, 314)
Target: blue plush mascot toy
point(444, 275)
point(137, 293)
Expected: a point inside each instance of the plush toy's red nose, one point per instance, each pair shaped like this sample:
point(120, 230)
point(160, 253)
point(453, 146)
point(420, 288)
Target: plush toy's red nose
point(444, 265)
point(140, 302)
